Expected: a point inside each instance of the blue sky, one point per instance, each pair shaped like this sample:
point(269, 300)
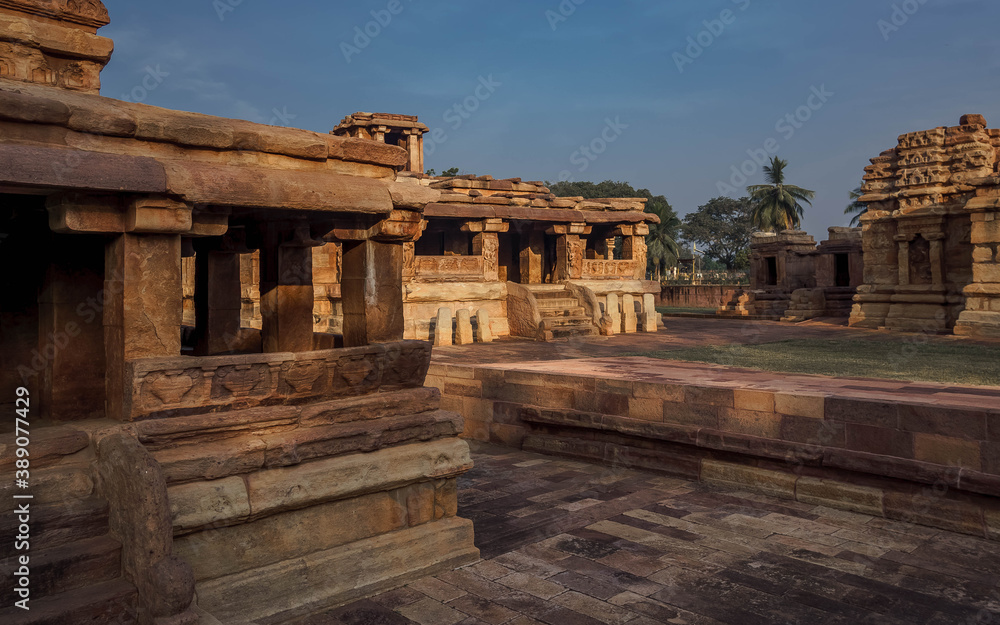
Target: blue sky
point(534, 82)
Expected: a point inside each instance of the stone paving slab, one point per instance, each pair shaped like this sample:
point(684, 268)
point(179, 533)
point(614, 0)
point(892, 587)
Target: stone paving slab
point(660, 371)
point(646, 549)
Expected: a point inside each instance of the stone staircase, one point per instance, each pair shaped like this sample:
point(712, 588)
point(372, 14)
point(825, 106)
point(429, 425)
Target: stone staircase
point(75, 565)
point(563, 315)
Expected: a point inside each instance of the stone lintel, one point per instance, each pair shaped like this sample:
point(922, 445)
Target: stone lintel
point(400, 226)
point(486, 225)
point(572, 228)
point(93, 214)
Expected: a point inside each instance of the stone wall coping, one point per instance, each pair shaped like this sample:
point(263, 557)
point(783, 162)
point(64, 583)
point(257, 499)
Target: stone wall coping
point(106, 118)
point(542, 213)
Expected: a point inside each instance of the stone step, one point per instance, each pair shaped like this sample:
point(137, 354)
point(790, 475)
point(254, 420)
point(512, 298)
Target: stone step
point(539, 289)
point(574, 331)
point(576, 311)
point(66, 567)
point(557, 303)
point(57, 524)
point(547, 295)
point(112, 601)
point(57, 484)
point(48, 445)
point(559, 322)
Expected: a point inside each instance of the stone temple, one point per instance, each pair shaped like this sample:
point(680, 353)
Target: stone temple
point(931, 233)
point(224, 332)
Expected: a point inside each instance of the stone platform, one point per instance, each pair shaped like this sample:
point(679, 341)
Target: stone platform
point(571, 543)
point(881, 447)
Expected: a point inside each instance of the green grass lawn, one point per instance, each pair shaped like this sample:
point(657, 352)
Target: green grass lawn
point(664, 310)
point(898, 359)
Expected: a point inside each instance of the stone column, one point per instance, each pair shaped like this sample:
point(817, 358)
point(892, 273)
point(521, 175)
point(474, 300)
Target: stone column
point(143, 299)
point(904, 261)
point(70, 330)
point(413, 145)
point(487, 245)
point(409, 261)
point(609, 248)
point(372, 292)
point(532, 249)
point(937, 258)
point(634, 248)
point(217, 301)
point(286, 292)
point(569, 257)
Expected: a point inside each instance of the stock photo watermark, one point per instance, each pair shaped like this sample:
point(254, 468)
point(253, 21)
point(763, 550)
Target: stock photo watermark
point(588, 153)
point(562, 13)
point(366, 33)
point(224, 7)
point(901, 14)
point(154, 77)
point(698, 43)
point(786, 126)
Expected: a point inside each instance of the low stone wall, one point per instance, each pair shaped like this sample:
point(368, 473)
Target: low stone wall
point(307, 481)
point(921, 461)
point(697, 296)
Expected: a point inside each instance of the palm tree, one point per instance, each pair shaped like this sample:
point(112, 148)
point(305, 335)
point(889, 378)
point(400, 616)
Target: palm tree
point(661, 248)
point(777, 205)
point(856, 208)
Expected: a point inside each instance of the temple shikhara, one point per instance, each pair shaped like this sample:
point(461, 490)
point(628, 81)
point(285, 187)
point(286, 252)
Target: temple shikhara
point(225, 329)
point(931, 233)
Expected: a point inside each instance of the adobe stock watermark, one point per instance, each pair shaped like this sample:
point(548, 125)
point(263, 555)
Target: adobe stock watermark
point(223, 7)
point(786, 126)
point(365, 34)
point(697, 44)
point(900, 16)
point(150, 82)
point(584, 157)
point(562, 13)
point(281, 118)
point(456, 115)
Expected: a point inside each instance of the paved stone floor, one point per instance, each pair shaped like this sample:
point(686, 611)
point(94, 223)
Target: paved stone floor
point(569, 543)
point(679, 333)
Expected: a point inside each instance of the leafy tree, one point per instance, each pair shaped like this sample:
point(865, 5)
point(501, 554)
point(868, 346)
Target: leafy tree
point(661, 243)
point(661, 247)
point(722, 228)
point(856, 208)
point(776, 204)
point(446, 173)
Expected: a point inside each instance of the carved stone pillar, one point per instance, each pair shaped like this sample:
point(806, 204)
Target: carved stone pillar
point(487, 245)
point(409, 261)
point(634, 248)
point(286, 289)
point(608, 249)
point(569, 257)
